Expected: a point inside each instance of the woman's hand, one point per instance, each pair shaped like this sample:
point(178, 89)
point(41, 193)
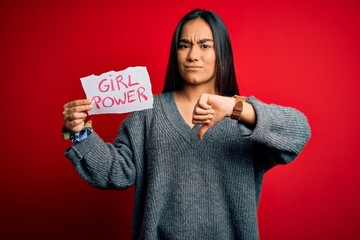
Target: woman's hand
point(211, 109)
point(74, 114)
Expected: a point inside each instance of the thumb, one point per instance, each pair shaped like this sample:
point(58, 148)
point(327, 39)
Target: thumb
point(203, 101)
point(203, 130)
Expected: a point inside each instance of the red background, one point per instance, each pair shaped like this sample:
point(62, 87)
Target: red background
point(303, 54)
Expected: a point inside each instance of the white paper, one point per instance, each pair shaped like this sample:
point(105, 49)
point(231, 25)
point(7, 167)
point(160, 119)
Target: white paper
point(119, 92)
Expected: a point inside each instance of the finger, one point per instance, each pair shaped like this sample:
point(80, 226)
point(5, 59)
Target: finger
point(75, 125)
point(203, 102)
point(201, 111)
point(203, 117)
point(203, 130)
point(75, 116)
point(77, 103)
point(80, 108)
point(208, 121)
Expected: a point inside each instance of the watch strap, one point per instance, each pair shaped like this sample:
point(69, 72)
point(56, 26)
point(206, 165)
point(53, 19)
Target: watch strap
point(238, 108)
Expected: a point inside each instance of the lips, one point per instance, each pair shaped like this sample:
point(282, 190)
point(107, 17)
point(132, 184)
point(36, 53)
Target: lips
point(192, 68)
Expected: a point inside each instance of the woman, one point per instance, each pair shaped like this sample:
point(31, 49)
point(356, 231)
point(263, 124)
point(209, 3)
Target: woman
point(198, 157)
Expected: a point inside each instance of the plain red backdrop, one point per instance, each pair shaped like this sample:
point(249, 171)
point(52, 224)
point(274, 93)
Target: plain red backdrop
point(303, 54)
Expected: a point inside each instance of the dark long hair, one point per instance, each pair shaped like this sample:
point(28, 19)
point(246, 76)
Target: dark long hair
point(225, 82)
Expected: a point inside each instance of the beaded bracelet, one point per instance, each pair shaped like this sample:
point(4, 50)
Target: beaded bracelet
point(78, 136)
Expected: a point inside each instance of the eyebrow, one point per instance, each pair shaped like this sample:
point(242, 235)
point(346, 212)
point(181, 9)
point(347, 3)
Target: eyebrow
point(183, 40)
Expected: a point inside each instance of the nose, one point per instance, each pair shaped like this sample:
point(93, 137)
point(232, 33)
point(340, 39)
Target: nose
point(193, 54)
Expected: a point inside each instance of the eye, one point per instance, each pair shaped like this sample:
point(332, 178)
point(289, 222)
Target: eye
point(206, 46)
point(182, 46)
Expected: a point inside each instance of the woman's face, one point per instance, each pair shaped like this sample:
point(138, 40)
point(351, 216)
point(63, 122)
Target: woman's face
point(196, 53)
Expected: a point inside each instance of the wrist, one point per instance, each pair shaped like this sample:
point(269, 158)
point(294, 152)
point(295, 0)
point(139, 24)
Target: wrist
point(82, 135)
point(230, 106)
point(78, 136)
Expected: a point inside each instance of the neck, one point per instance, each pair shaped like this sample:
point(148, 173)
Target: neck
point(192, 93)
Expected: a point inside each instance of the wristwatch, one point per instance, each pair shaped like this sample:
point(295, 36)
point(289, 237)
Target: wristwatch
point(238, 108)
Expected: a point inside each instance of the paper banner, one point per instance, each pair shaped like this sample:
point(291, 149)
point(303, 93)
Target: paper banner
point(119, 92)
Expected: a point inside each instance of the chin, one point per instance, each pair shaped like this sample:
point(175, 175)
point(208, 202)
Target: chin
point(193, 81)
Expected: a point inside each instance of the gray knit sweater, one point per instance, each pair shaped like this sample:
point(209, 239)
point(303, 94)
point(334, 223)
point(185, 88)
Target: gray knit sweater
point(186, 188)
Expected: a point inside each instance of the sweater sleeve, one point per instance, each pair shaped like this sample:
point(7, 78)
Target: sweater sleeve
point(280, 132)
point(106, 165)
